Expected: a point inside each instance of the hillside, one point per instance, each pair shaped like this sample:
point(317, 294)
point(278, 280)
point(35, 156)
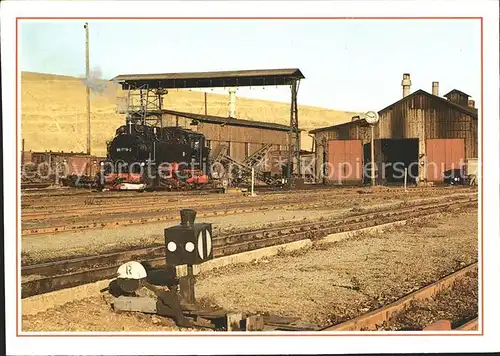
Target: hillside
point(54, 112)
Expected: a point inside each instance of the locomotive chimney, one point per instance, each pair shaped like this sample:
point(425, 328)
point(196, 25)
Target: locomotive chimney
point(232, 103)
point(472, 103)
point(435, 88)
point(406, 84)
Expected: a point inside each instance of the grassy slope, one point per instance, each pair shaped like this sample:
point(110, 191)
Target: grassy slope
point(54, 112)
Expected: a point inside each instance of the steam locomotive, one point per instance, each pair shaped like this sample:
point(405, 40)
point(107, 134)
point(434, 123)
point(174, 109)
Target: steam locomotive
point(145, 157)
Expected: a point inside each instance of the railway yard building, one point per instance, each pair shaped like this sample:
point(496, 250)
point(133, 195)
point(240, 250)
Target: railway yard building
point(241, 138)
point(428, 133)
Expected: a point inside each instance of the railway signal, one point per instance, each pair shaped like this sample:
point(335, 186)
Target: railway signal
point(188, 243)
point(130, 276)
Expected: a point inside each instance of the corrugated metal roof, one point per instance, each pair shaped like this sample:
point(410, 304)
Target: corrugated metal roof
point(289, 72)
point(228, 120)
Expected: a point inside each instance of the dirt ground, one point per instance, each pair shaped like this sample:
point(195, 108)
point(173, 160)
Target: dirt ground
point(93, 314)
point(326, 284)
point(36, 248)
point(332, 283)
point(458, 304)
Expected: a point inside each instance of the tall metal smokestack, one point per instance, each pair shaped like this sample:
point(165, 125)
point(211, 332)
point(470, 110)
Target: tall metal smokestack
point(406, 84)
point(435, 88)
point(232, 103)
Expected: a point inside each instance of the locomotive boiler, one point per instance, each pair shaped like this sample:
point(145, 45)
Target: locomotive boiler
point(146, 157)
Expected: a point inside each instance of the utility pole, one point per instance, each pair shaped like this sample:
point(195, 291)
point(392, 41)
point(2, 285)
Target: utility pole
point(372, 118)
point(87, 76)
point(372, 155)
point(206, 104)
point(22, 155)
point(294, 134)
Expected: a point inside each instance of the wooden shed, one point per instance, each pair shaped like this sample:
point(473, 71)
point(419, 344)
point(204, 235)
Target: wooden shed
point(427, 134)
point(242, 137)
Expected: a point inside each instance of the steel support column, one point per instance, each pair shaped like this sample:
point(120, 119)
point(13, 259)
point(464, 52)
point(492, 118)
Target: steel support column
point(294, 135)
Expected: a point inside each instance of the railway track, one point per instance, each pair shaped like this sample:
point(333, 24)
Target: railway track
point(100, 210)
point(115, 216)
point(41, 209)
point(69, 192)
point(109, 201)
point(36, 186)
point(103, 205)
point(33, 194)
point(211, 210)
point(36, 199)
point(372, 319)
point(45, 277)
point(470, 325)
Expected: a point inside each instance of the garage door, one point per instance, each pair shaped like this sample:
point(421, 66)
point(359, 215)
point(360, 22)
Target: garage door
point(345, 161)
point(442, 156)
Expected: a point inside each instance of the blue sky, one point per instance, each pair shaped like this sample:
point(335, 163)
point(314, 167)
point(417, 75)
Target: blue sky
point(348, 64)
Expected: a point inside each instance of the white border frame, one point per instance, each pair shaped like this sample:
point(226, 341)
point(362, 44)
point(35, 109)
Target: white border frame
point(255, 344)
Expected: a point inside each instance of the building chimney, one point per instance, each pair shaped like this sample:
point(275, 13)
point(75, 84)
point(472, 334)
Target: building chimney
point(472, 103)
point(406, 83)
point(232, 103)
point(435, 88)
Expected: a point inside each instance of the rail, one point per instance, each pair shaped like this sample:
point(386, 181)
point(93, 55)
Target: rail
point(46, 277)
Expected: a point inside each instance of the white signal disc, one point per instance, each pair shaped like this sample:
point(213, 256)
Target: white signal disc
point(189, 247)
point(200, 244)
point(209, 243)
point(171, 246)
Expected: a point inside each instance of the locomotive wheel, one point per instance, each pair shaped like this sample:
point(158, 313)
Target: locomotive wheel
point(152, 184)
